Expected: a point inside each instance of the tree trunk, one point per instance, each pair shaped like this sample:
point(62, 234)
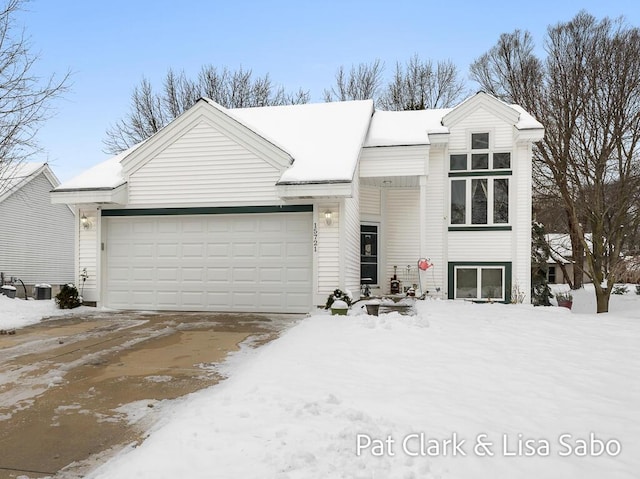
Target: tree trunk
point(602, 300)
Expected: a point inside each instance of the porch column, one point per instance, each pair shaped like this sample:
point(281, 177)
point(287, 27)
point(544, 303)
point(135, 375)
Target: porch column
point(423, 216)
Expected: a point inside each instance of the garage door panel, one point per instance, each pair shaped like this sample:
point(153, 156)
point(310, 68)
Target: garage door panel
point(143, 274)
point(271, 250)
point(298, 276)
point(193, 275)
point(164, 250)
point(169, 228)
point(192, 250)
point(297, 250)
point(244, 250)
point(271, 275)
point(218, 250)
point(218, 275)
point(143, 227)
point(219, 263)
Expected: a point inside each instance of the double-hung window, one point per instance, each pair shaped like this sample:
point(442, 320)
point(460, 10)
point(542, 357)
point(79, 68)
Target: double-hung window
point(479, 186)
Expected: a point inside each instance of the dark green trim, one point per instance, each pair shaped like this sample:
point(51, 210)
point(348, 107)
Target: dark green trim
point(209, 210)
point(508, 268)
point(457, 174)
point(480, 228)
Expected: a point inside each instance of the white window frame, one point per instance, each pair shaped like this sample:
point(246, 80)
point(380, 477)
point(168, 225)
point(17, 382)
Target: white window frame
point(479, 269)
point(490, 199)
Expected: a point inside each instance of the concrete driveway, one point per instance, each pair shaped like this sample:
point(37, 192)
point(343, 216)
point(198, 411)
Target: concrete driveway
point(75, 390)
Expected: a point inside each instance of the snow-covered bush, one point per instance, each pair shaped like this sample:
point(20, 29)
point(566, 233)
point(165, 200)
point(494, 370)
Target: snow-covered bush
point(68, 297)
point(619, 289)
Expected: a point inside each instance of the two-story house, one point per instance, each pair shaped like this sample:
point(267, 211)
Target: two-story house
point(270, 209)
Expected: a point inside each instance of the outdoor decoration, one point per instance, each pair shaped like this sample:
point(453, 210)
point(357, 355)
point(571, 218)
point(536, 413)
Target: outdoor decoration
point(339, 302)
point(565, 299)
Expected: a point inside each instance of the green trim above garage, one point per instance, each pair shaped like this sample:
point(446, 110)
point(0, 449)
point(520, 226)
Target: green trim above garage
point(213, 210)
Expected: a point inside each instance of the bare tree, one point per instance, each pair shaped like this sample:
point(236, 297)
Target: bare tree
point(587, 95)
point(421, 85)
point(152, 110)
point(24, 97)
point(362, 82)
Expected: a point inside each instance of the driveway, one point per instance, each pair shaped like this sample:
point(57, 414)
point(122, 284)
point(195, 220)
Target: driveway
point(75, 390)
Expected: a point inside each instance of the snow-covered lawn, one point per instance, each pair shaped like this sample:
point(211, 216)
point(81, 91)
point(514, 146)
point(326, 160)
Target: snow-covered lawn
point(18, 313)
point(544, 389)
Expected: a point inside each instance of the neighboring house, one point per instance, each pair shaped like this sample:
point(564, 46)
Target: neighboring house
point(36, 237)
point(561, 261)
point(270, 209)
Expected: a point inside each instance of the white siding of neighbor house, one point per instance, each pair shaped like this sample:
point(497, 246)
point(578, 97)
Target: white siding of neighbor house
point(400, 238)
point(389, 161)
point(369, 203)
point(481, 120)
point(204, 166)
point(88, 250)
point(350, 249)
point(327, 251)
point(36, 237)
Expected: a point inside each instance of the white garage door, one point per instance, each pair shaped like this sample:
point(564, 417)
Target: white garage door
point(247, 262)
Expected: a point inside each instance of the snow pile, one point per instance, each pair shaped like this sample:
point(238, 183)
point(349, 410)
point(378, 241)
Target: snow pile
point(514, 378)
point(18, 313)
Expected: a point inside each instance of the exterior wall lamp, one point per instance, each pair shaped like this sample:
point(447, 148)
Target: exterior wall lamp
point(85, 222)
point(328, 217)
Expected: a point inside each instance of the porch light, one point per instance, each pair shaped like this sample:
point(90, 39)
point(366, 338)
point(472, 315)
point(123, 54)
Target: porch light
point(85, 222)
point(328, 217)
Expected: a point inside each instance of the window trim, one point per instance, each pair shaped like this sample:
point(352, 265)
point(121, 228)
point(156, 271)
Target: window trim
point(506, 266)
point(489, 225)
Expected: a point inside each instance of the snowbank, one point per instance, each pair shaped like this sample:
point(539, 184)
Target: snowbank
point(18, 313)
point(501, 374)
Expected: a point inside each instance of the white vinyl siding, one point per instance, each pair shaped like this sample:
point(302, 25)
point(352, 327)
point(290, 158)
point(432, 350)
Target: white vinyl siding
point(401, 236)
point(436, 229)
point(481, 120)
point(328, 251)
point(246, 262)
point(351, 241)
point(480, 245)
point(369, 202)
point(204, 167)
point(521, 211)
point(88, 250)
point(394, 161)
point(36, 237)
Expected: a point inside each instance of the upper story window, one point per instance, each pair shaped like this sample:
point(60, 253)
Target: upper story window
point(479, 184)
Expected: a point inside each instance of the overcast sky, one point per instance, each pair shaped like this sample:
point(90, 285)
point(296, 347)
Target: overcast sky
point(110, 45)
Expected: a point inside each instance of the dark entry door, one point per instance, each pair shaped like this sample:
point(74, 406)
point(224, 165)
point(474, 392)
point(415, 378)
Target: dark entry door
point(369, 254)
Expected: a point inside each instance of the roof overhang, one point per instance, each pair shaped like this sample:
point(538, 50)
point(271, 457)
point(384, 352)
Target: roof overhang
point(528, 135)
point(118, 195)
point(335, 189)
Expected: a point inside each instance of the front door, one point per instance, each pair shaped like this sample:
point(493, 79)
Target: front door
point(369, 254)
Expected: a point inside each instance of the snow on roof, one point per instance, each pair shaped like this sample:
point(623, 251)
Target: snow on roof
point(396, 128)
point(526, 120)
point(324, 139)
point(560, 244)
point(15, 175)
point(11, 174)
point(107, 174)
